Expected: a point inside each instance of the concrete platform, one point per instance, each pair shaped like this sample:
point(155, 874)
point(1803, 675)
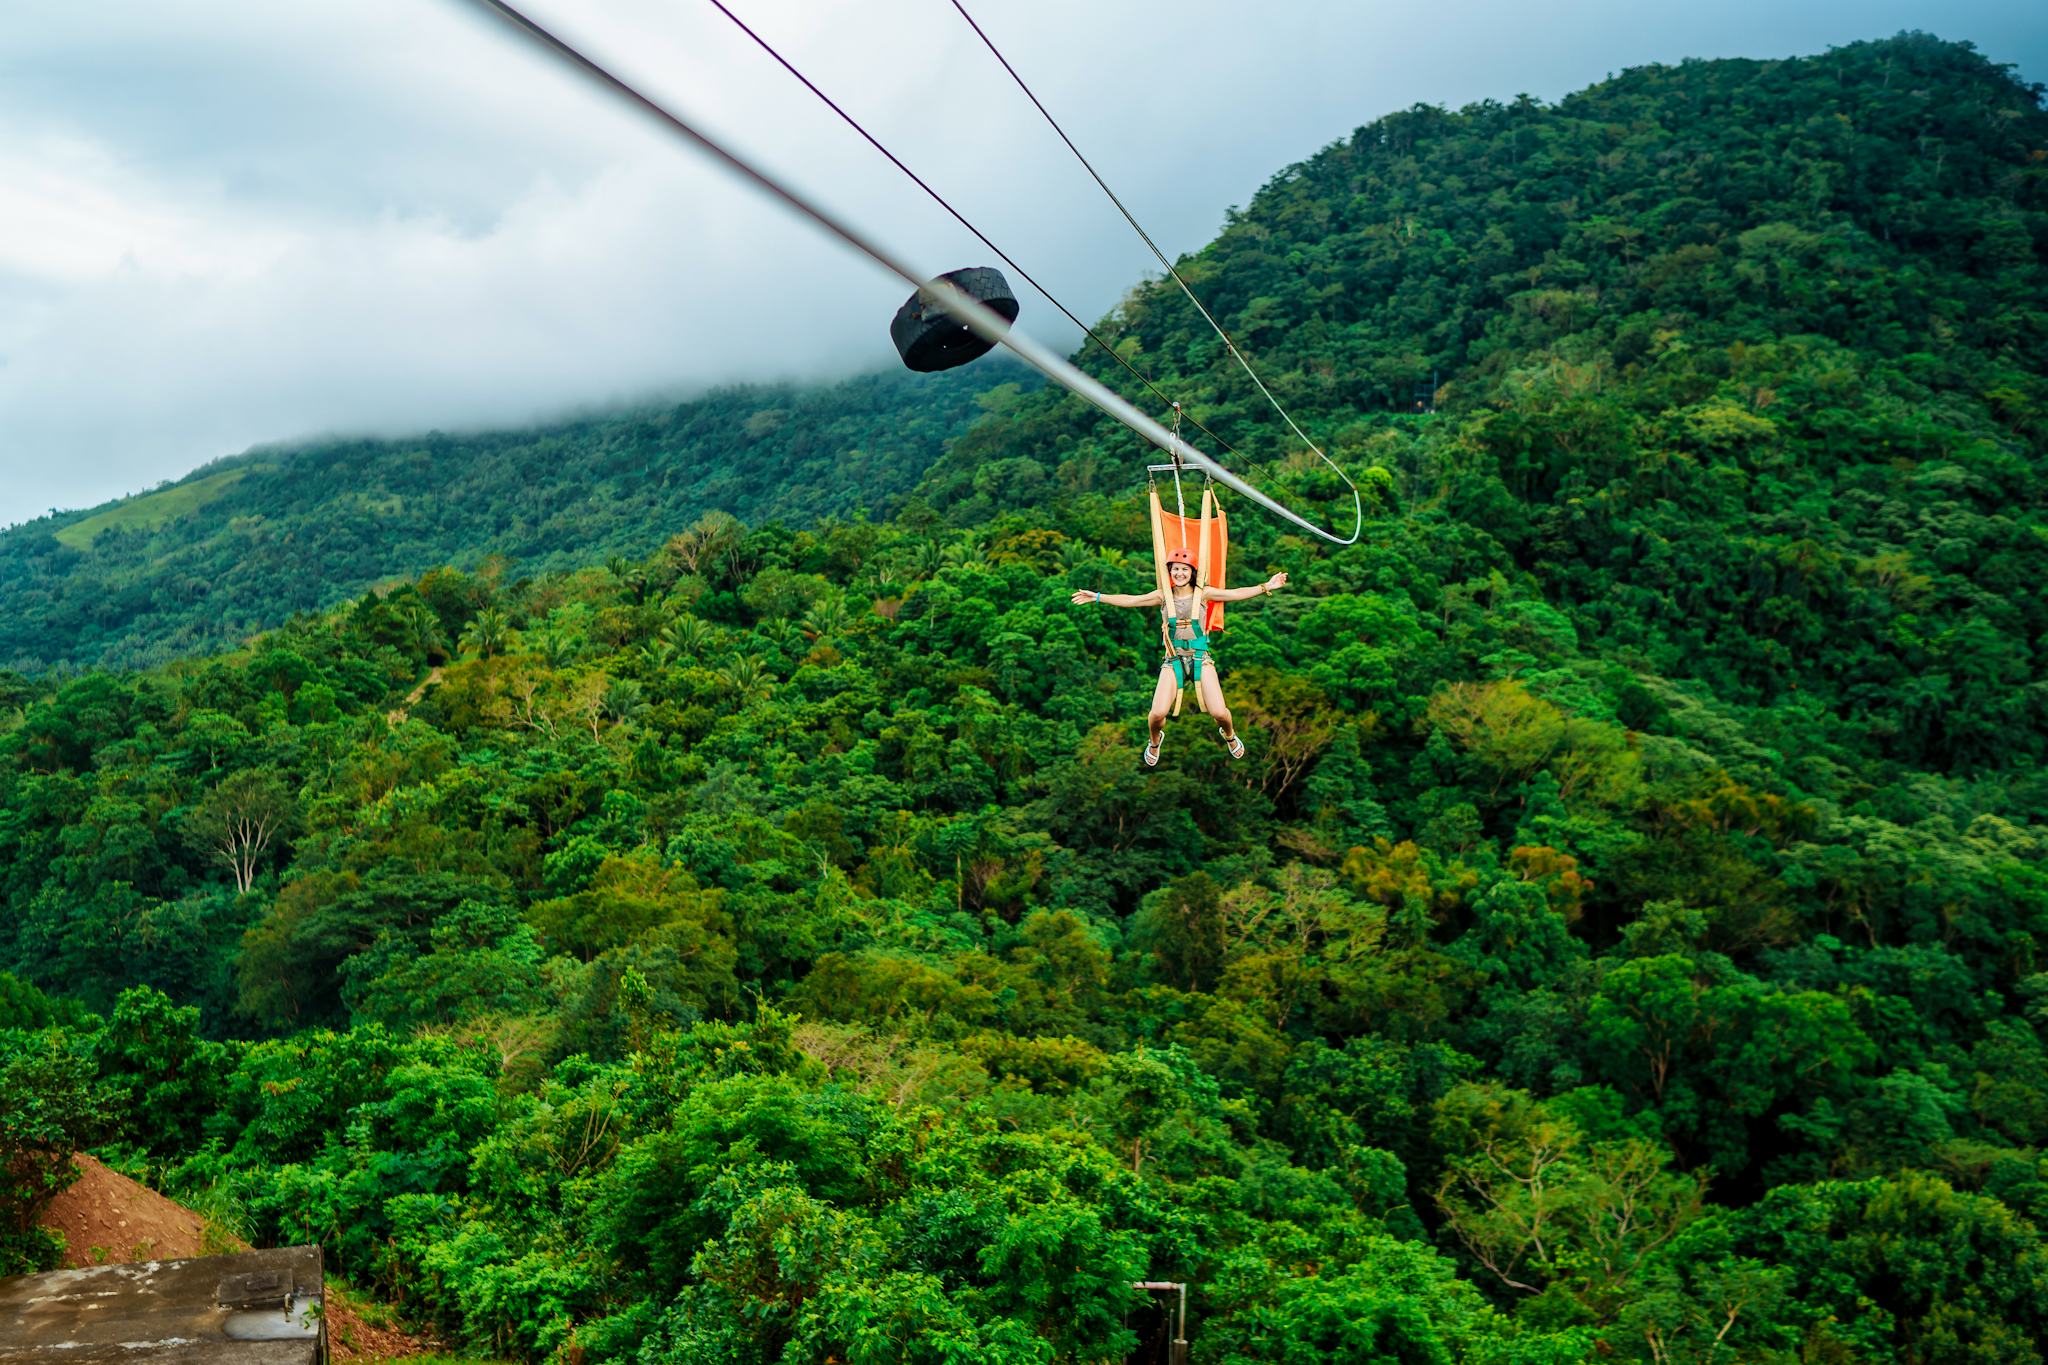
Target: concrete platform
point(256, 1308)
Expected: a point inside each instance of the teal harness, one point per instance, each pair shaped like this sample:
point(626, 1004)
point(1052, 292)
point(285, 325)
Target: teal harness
point(1188, 644)
point(1187, 661)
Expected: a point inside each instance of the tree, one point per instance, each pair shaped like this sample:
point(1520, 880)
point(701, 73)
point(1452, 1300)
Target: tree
point(1294, 716)
point(746, 680)
point(424, 636)
point(237, 822)
point(1385, 1300)
point(161, 1080)
point(1907, 1268)
point(47, 1112)
point(1712, 1047)
point(488, 633)
point(705, 544)
point(1537, 1202)
point(1700, 1299)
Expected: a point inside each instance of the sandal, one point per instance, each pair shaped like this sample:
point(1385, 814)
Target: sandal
point(1152, 749)
point(1231, 742)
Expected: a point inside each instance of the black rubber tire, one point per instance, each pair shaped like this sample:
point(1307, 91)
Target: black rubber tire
point(929, 339)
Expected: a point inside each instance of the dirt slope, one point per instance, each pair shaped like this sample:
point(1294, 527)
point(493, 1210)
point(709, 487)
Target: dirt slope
point(106, 1218)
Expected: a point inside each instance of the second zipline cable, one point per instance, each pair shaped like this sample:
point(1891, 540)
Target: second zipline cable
point(1185, 288)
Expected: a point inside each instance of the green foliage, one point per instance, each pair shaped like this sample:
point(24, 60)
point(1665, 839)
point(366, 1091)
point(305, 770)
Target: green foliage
point(1540, 1202)
point(162, 1079)
point(48, 1110)
point(1905, 1267)
point(1390, 1301)
point(23, 1007)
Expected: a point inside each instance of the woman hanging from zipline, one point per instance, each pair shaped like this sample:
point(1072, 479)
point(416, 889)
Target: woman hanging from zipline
point(1185, 624)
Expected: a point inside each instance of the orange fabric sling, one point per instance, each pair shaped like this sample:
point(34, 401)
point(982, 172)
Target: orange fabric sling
point(1209, 539)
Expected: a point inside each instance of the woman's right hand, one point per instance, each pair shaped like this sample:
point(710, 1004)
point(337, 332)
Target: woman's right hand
point(1084, 597)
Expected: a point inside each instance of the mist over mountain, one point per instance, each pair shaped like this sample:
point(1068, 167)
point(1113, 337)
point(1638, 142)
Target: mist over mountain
point(238, 546)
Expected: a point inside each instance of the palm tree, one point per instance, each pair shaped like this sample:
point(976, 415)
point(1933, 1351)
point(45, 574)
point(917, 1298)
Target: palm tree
point(690, 635)
point(557, 648)
point(964, 555)
point(425, 628)
point(624, 701)
point(659, 654)
point(1076, 555)
point(826, 618)
point(488, 633)
point(638, 580)
point(747, 680)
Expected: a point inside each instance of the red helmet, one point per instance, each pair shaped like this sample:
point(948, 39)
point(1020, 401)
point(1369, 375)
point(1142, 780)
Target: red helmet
point(1182, 555)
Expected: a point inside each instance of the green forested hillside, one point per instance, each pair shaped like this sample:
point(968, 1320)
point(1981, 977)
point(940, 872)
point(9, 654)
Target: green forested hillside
point(1623, 940)
point(1745, 366)
point(239, 546)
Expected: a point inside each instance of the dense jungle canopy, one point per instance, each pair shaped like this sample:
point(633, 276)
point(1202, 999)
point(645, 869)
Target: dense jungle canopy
point(1624, 939)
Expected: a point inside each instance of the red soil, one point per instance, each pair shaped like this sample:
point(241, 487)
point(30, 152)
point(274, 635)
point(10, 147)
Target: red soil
point(349, 1337)
point(106, 1219)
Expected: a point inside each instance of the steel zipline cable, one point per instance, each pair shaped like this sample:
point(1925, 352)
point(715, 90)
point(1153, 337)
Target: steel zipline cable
point(968, 310)
point(960, 218)
point(1171, 269)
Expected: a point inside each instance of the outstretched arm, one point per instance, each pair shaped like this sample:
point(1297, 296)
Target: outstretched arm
point(1085, 598)
point(1273, 584)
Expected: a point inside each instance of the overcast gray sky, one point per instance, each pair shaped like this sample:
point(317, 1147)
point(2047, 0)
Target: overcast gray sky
point(224, 222)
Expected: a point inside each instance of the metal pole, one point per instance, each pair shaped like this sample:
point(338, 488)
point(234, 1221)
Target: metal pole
point(1178, 1348)
point(1180, 503)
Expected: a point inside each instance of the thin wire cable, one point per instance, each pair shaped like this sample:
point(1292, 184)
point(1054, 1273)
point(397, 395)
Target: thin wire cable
point(1170, 268)
point(958, 217)
point(967, 309)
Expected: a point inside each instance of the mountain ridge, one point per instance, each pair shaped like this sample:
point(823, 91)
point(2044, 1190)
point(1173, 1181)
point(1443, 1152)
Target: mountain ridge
point(241, 542)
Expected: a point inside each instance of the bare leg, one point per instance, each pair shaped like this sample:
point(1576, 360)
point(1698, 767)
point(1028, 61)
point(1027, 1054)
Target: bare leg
point(1162, 701)
point(1210, 689)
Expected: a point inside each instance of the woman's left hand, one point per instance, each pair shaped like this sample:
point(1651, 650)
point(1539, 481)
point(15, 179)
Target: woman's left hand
point(1276, 582)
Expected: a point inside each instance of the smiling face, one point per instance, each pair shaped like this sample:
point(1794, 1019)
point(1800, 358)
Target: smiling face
point(1181, 574)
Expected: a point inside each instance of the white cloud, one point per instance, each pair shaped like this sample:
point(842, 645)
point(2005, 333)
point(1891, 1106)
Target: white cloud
point(73, 215)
